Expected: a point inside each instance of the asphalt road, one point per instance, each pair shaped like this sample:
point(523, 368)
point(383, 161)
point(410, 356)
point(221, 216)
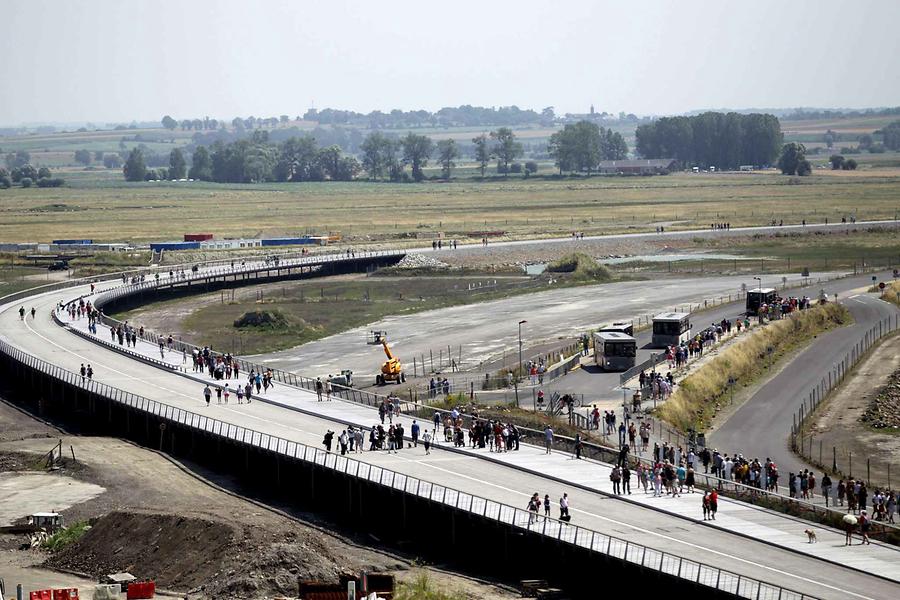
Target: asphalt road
point(761, 427)
point(488, 330)
point(470, 474)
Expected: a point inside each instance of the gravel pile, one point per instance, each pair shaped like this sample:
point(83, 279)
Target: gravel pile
point(884, 410)
point(420, 261)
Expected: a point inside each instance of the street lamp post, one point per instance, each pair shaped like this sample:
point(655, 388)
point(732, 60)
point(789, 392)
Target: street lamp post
point(759, 280)
point(519, 372)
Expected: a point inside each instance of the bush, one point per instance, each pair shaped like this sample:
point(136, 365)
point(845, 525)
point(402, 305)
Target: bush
point(45, 182)
point(531, 167)
point(849, 164)
point(580, 266)
point(804, 168)
point(43, 173)
point(26, 182)
point(66, 536)
point(515, 167)
point(5, 182)
point(269, 319)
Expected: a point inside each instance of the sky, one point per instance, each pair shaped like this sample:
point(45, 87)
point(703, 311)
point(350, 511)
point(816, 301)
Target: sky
point(121, 60)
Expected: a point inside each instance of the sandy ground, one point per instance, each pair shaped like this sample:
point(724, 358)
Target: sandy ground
point(141, 483)
point(837, 423)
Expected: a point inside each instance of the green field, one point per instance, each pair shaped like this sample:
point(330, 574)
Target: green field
point(110, 209)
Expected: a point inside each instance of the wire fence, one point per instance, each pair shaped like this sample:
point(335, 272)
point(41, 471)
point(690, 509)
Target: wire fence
point(517, 518)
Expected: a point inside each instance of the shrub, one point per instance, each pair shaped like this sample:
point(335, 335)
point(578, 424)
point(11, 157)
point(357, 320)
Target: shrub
point(26, 182)
point(580, 266)
point(51, 182)
point(5, 182)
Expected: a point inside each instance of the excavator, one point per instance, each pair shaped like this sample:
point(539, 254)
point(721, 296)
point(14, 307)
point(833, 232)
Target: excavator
point(391, 369)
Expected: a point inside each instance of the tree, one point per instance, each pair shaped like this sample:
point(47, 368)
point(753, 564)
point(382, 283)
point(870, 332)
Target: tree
point(83, 157)
point(296, 160)
point(530, 167)
point(17, 159)
point(830, 138)
point(890, 135)
point(43, 173)
point(416, 152)
point(26, 182)
point(804, 168)
point(375, 150)
point(837, 162)
point(850, 164)
point(169, 123)
point(112, 161)
point(482, 152)
point(177, 164)
point(447, 154)
point(284, 119)
point(791, 155)
point(865, 141)
point(135, 169)
point(5, 182)
point(24, 171)
point(186, 124)
point(98, 155)
point(201, 165)
point(507, 149)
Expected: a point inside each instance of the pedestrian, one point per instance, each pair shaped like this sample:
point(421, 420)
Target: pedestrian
point(864, 526)
point(579, 446)
point(326, 441)
point(546, 505)
point(218, 395)
point(841, 490)
point(240, 394)
point(548, 438)
point(320, 389)
point(626, 480)
point(705, 506)
point(90, 372)
point(533, 508)
point(713, 504)
point(564, 508)
point(343, 441)
point(83, 371)
point(226, 392)
point(436, 419)
point(414, 431)
point(826, 487)
point(616, 477)
point(248, 391)
point(328, 388)
point(426, 441)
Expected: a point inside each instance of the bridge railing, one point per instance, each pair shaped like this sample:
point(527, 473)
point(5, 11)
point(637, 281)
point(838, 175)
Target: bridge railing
point(548, 527)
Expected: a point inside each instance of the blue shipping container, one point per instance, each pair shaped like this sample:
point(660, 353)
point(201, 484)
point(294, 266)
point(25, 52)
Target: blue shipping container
point(157, 246)
point(73, 242)
point(288, 241)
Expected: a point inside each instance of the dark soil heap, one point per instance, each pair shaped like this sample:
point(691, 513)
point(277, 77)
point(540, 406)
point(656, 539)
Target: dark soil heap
point(884, 409)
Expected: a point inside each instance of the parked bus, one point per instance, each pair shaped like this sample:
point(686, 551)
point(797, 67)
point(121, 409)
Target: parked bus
point(614, 350)
point(757, 297)
point(626, 327)
point(670, 329)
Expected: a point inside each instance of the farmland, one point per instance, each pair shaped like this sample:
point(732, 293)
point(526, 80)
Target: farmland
point(106, 208)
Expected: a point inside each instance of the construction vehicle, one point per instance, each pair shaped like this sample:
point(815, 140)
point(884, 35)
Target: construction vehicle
point(391, 369)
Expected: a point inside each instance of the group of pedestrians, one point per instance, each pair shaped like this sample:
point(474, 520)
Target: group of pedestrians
point(535, 504)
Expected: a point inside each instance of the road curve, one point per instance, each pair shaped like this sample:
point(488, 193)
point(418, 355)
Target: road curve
point(789, 568)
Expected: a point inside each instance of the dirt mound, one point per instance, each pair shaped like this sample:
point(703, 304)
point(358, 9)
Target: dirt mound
point(272, 319)
point(884, 410)
point(179, 553)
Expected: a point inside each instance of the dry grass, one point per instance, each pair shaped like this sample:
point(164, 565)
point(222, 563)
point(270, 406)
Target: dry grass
point(695, 402)
point(112, 210)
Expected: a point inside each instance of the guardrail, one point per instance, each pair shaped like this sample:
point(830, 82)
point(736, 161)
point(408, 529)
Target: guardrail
point(575, 535)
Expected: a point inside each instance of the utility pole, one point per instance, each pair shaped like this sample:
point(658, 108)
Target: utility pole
point(519, 372)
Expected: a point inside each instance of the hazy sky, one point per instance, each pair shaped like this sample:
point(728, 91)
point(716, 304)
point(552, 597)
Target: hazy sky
point(115, 60)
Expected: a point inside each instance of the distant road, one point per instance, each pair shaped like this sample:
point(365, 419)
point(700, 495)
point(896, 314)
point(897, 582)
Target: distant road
point(678, 234)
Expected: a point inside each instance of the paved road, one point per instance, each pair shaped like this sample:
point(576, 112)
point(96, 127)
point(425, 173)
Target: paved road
point(761, 427)
point(489, 329)
point(649, 521)
point(677, 234)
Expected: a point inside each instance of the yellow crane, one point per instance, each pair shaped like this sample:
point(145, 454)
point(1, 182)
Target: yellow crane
point(391, 369)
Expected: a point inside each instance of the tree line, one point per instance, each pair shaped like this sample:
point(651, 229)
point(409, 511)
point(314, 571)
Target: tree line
point(723, 140)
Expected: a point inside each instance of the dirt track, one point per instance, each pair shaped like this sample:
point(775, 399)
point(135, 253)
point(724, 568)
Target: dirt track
point(162, 521)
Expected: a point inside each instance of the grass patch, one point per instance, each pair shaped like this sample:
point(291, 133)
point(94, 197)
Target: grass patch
point(421, 587)
point(580, 267)
point(892, 293)
point(696, 401)
point(64, 537)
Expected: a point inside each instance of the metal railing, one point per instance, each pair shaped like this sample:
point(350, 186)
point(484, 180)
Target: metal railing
point(637, 554)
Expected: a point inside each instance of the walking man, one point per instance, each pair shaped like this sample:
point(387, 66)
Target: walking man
point(207, 393)
point(548, 438)
point(414, 431)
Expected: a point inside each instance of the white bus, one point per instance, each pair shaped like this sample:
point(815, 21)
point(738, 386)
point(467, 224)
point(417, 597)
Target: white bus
point(670, 329)
point(614, 350)
point(626, 327)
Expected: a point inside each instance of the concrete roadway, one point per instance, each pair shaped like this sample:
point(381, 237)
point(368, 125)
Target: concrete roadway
point(792, 568)
point(487, 330)
point(761, 427)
